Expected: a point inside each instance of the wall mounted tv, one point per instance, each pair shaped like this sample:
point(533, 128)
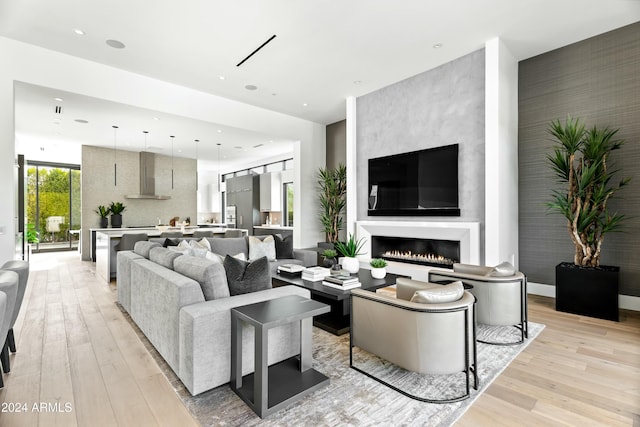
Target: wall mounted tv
point(420, 183)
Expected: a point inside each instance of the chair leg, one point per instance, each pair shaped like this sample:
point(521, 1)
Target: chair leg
point(11, 341)
point(1, 381)
point(4, 358)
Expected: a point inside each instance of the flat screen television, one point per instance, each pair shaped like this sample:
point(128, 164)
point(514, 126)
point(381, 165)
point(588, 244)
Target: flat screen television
point(421, 183)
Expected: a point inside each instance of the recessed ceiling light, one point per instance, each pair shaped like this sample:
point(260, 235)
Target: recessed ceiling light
point(116, 44)
point(237, 147)
point(81, 121)
point(251, 87)
point(58, 99)
point(437, 45)
point(157, 119)
point(357, 82)
point(78, 31)
point(271, 140)
point(274, 94)
point(305, 105)
point(221, 77)
point(219, 131)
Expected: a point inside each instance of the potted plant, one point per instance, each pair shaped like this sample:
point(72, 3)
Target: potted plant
point(581, 163)
point(332, 185)
point(116, 209)
point(329, 256)
point(350, 250)
point(378, 270)
point(104, 212)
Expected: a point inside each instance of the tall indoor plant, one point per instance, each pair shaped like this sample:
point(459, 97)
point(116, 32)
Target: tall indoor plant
point(580, 161)
point(332, 185)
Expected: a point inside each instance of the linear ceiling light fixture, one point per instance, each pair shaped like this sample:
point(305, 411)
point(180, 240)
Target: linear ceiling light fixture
point(115, 163)
point(256, 51)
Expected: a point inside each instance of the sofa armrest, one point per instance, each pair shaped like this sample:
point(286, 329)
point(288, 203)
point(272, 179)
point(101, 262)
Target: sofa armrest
point(205, 339)
point(307, 256)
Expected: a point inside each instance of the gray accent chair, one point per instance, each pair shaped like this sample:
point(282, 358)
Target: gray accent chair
point(9, 285)
point(22, 268)
point(376, 320)
point(502, 299)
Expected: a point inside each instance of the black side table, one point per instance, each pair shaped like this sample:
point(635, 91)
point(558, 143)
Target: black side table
point(270, 389)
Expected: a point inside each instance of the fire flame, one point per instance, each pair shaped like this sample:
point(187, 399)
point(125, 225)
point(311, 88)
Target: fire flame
point(410, 256)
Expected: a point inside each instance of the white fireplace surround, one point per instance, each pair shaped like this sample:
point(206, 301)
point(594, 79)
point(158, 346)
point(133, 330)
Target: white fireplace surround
point(468, 233)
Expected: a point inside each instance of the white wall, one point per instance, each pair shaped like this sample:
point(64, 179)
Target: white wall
point(501, 154)
point(24, 62)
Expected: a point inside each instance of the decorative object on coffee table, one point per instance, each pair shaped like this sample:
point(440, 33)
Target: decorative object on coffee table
point(350, 250)
point(104, 212)
point(378, 270)
point(581, 162)
point(329, 258)
point(116, 209)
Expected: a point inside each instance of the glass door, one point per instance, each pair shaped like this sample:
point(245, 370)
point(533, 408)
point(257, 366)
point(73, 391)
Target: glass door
point(53, 206)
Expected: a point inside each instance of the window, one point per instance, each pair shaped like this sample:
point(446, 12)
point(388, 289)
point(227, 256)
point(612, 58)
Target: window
point(287, 218)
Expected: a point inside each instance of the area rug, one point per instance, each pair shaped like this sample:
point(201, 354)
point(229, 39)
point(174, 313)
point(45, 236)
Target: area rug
point(351, 398)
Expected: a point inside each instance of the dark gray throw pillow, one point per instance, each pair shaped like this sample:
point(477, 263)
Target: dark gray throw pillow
point(244, 277)
point(284, 247)
point(170, 242)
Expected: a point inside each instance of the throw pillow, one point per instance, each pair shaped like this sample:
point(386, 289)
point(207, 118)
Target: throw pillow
point(262, 248)
point(503, 269)
point(439, 294)
point(198, 249)
point(205, 243)
point(142, 248)
point(284, 247)
point(209, 274)
point(244, 277)
point(170, 242)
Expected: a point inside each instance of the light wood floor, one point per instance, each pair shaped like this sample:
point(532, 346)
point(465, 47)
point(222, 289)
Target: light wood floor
point(75, 348)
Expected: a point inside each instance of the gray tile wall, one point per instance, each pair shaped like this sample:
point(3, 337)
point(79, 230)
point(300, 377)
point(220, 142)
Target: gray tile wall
point(598, 80)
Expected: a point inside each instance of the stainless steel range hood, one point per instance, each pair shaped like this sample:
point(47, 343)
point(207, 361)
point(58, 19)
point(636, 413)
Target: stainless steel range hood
point(147, 179)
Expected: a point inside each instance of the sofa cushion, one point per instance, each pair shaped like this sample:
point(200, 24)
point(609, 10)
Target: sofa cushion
point(284, 247)
point(229, 245)
point(503, 269)
point(209, 274)
point(142, 248)
point(259, 248)
point(163, 256)
point(247, 276)
point(478, 270)
point(439, 294)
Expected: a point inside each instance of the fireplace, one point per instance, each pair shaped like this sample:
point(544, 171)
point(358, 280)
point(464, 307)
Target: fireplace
point(429, 252)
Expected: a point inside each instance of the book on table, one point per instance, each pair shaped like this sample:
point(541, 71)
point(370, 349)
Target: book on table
point(291, 269)
point(315, 274)
point(344, 287)
point(342, 279)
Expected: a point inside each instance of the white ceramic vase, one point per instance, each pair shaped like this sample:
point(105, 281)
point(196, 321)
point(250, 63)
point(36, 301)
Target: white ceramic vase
point(378, 273)
point(351, 264)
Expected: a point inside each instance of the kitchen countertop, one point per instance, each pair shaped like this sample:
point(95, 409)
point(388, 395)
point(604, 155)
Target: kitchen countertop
point(274, 227)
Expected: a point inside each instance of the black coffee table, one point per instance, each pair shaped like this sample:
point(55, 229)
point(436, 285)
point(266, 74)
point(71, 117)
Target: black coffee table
point(336, 321)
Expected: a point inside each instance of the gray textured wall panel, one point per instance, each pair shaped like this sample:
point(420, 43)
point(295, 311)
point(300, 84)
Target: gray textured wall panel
point(438, 107)
point(598, 80)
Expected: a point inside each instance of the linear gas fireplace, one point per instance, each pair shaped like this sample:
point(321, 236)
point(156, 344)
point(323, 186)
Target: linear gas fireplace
point(430, 252)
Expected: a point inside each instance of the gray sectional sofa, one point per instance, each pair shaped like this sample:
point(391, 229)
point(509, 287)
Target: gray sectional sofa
point(164, 292)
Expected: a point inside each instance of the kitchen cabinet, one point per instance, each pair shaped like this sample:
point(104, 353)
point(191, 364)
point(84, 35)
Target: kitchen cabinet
point(271, 192)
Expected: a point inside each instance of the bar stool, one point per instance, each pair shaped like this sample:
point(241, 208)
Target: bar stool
point(8, 285)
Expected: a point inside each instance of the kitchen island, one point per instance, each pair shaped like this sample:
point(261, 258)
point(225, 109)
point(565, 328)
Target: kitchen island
point(263, 230)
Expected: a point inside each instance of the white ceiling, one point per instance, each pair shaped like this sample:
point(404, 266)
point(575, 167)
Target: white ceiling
point(324, 51)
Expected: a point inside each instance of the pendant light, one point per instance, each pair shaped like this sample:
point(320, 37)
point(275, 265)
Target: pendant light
point(196, 140)
point(172, 139)
point(115, 158)
point(219, 175)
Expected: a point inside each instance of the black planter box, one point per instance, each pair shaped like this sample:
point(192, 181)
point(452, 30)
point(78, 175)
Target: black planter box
point(588, 291)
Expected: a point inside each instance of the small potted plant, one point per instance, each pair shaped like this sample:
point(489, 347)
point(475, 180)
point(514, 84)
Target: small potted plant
point(350, 250)
point(116, 209)
point(104, 212)
point(378, 270)
point(329, 256)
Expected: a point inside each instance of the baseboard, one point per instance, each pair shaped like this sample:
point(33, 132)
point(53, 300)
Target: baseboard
point(626, 302)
